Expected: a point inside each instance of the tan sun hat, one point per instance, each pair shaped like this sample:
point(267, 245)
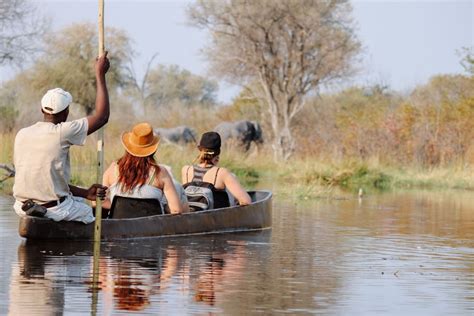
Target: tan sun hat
point(140, 142)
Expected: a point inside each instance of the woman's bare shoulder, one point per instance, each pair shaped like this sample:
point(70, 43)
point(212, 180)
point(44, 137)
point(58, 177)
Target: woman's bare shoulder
point(162, 172)
point(111, 167)
point(109, 175)
point(224, 171)
point(113, 163)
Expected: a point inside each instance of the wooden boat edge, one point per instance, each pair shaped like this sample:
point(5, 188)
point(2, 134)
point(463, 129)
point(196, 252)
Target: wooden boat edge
point(256, 216)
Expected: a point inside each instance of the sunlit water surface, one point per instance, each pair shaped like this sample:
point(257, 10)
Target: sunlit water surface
point(398, 253)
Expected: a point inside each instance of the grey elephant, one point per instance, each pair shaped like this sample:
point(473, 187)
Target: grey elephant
point(178, 135)
point(243, 132)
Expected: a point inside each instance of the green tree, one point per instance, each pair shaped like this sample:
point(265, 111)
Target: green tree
point(445, 125)
point(164, 85)
point(17, 101)
point(467, 60)
point(68, 62)
point(289, 48)
point(243, 107)
point(362, 120)
point(8, 112)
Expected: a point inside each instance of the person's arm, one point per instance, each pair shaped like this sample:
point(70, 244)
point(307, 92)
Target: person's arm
point(184, 177)
point(94, 191)
point(232, 184)
point(183, 199)
point(170, 192)
point(107, 180)
point(102, 107)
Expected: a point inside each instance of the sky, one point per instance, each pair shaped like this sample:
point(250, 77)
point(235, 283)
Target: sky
point(405, 42)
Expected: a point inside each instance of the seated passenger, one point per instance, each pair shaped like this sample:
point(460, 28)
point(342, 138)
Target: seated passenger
point(137, 175)
point(206, 184)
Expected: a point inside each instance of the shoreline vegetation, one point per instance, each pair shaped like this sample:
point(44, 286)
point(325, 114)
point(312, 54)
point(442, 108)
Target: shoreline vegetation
point(331, 138)
point(300, 178)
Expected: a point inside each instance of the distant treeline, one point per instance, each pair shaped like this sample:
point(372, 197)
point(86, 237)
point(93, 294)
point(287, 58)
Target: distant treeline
point(431, 126)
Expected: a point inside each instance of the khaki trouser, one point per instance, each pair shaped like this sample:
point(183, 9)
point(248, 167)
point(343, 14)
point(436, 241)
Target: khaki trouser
point(71, 209)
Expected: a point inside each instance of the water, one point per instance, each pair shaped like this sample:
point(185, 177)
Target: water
point(398, 254)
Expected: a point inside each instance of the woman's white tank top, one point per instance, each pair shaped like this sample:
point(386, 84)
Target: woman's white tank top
point(146, 191)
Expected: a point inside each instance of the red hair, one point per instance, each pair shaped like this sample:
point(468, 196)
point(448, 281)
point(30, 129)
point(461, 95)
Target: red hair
point(135, 171)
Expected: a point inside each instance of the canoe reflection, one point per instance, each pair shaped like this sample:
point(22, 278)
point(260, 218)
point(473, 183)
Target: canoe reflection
point(133, 275)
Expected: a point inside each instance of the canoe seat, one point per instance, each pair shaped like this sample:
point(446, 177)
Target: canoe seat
point(125, 207)
point(253, 196)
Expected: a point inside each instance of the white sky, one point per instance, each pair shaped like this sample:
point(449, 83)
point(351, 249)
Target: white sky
point(405, 42)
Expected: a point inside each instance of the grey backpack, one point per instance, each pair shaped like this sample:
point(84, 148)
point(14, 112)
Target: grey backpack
point(200, 195)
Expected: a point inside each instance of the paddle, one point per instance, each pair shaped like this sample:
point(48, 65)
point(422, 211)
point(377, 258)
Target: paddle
point(100, 171)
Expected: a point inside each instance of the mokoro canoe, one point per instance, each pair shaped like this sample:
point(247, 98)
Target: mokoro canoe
point(256, 216)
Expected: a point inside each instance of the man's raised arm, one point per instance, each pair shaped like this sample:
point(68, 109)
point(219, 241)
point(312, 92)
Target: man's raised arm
point(102, 107)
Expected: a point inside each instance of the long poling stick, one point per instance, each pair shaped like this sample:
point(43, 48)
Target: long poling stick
point(100, 141)
point(100, 171)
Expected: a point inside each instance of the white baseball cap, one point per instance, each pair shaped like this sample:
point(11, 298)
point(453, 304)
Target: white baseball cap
point(55, 101)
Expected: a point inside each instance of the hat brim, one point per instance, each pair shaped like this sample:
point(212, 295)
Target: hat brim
point(137, 151)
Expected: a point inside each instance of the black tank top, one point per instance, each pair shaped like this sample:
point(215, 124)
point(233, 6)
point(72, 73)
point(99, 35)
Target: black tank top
point(221, 198)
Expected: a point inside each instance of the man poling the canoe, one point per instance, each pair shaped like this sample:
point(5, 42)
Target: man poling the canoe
point(41, 156)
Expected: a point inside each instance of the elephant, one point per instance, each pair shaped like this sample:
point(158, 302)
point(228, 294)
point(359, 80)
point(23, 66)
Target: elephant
point(243, 132)
point(177, 135)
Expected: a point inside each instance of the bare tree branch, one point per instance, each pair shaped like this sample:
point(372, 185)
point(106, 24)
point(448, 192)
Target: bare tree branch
point(21, 30)
point(10, 172)
point(288, 47)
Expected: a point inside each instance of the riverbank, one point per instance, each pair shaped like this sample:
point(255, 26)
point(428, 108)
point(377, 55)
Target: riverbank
point(300, 177)
point(314, 179)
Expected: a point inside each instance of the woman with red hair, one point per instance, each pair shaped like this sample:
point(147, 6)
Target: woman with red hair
point(137, 175)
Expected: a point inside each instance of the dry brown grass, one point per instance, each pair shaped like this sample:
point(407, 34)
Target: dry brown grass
point(301, 177)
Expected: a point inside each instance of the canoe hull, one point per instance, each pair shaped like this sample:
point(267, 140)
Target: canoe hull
point(256, 216)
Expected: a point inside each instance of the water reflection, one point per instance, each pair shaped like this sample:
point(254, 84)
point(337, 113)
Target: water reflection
point(133, 275)
point(398, 253)
point(211, 272)
point(34, 284)
point(412, 213)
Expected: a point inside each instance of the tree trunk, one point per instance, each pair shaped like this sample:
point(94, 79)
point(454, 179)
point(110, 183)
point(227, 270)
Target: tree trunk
point(283, 144)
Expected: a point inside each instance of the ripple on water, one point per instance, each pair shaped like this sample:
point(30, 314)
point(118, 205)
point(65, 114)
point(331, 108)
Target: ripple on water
point(385, 255)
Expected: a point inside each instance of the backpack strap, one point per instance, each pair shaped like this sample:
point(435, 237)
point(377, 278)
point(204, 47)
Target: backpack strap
point(215, 177)
point(152, 178)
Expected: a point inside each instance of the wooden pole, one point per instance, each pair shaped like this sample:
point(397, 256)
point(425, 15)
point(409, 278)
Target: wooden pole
point(100, 171)
point(100, 141)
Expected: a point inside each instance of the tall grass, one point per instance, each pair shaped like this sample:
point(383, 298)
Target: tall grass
point(84, 168)
point(6, 147)
point(302, 177)
point(6, 157)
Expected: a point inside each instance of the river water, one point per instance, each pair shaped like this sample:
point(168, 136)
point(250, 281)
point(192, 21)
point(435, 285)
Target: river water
point(405, 253)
